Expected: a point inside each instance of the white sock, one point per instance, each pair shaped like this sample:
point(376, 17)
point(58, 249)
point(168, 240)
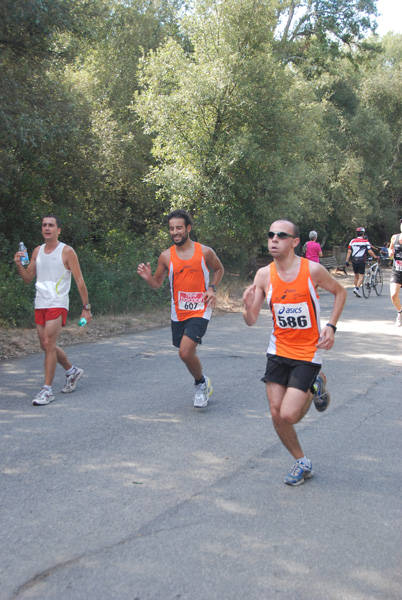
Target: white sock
point(48, 387)
point(70, 371)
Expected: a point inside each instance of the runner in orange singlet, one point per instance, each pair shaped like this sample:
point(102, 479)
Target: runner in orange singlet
point(293, 378)
point(193, 297)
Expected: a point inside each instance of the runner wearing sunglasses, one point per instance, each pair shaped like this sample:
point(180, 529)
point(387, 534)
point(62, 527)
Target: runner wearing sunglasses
point(293, 377)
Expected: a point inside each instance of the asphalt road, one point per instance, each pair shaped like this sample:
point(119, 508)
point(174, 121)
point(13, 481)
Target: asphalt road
point(122, 490)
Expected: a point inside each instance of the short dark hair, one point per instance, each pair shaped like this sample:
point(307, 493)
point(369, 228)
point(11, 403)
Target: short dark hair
point(52, 216)
point(180, 213)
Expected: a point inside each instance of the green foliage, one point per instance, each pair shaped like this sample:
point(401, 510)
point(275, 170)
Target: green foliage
point(16, 299)
point(112, 112)
point(110, 275)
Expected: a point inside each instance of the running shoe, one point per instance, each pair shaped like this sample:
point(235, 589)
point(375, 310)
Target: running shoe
point(321, 396)
point(43, 397)
point(202, 393)
point(357, 293)
point(399, 320)
point(71, 380)
point(299, 473)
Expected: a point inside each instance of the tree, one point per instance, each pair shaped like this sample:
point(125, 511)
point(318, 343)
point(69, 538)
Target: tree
point(236, 132)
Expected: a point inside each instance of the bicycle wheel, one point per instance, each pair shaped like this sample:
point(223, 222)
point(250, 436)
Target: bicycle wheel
point(378, 282)
point(367, 284)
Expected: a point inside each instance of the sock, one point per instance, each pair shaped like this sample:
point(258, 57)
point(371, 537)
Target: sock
point(70, 371)
point(48, 387)
point(202, 380)
point(304, 461)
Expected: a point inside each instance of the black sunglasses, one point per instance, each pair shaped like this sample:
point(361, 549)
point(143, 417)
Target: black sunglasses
point(282, 235)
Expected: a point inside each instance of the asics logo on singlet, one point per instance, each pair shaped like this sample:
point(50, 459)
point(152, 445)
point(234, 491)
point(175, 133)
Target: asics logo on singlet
point(289, 310)
point(187, 267)
point(289, 291)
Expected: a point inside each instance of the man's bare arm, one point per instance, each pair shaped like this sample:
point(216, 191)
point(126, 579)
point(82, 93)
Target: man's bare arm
point(254, 296)
point(27, 274)
point(155, 281)
point(321, 277)
point(71, 262)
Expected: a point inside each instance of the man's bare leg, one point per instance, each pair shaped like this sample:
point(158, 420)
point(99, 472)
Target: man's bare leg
point(48, 335)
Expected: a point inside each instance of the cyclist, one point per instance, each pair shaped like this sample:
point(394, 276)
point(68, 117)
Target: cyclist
point(359, 247)
point(395, 252)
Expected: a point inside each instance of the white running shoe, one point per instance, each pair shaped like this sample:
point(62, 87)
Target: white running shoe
point(43, 397)
point(399, 320)
point(202, 393)
point(357, 292)
point(71, 380)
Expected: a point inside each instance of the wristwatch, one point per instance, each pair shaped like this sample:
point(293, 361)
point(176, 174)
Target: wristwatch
point(87, 307)
point(213, 287)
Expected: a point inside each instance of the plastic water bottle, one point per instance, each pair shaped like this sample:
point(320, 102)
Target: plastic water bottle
point(82, 322)
point(25, 258)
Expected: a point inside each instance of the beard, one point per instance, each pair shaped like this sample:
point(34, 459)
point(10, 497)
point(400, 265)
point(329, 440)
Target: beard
point(182, 241)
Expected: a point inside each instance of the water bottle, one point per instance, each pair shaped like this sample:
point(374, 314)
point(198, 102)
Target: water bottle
point(25, 258)
point(82, 322)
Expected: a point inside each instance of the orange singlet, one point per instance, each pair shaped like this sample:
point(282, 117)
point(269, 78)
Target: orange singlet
point(296, 316)
point(189, 280)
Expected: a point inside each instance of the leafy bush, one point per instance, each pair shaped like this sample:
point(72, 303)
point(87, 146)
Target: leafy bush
point(16, 299)
point(110, 274)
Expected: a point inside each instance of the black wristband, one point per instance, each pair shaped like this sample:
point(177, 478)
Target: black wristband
point(213, 287)
point(332, 326)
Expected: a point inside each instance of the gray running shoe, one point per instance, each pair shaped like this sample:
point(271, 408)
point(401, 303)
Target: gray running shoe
point(321, 397)
point(43, 397)
point(202, 393)
point(357, 292)
point(71, 380)
point(299, 473)
point(399, 320)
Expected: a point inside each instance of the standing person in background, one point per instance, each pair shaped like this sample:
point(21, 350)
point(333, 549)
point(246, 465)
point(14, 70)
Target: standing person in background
point(395, 252)
point(313, 248)
point(359, 247)
point(53, 263)
point(293, 375)
point(192, 295)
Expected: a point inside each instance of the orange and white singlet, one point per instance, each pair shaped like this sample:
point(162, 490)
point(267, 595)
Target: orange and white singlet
point(296, 316)
point(189, 280)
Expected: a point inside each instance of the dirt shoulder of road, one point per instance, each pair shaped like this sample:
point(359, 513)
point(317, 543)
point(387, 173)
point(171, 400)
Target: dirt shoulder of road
point(15, 343)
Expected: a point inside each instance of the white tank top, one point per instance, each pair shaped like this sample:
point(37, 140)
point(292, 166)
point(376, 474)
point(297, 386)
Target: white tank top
point(53, 280)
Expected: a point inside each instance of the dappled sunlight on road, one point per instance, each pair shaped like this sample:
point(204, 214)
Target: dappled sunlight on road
point(370, 327)
point(235, 507)
point(160, 418)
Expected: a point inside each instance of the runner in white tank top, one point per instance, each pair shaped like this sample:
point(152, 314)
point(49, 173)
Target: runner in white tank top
point(52, 264)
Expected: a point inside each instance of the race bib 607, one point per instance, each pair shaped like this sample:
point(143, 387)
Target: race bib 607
point(191, 300)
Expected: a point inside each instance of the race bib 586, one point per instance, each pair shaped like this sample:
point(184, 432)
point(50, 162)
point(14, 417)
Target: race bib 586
point(292, 316)
point(191, 300)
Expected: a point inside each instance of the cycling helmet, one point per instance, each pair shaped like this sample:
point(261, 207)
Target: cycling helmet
point(360, 230)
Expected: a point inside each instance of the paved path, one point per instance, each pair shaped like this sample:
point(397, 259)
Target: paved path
point(122, 490)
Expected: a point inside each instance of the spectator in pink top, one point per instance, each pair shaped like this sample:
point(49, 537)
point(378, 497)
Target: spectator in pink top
point(313, 248)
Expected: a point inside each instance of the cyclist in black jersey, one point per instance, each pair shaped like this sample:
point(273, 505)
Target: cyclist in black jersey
point(395, 252)
point(359, 247)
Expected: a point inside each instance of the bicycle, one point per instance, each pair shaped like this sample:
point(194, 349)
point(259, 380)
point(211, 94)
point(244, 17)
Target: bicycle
point(372, 278)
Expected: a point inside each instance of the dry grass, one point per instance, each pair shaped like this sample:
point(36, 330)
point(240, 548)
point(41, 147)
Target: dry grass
point(15, 343)
point(21, 342)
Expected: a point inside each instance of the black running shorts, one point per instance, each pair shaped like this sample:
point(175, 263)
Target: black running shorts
point(298, 374)
point(396, 277)
point(194, 328)
point(359, 266)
